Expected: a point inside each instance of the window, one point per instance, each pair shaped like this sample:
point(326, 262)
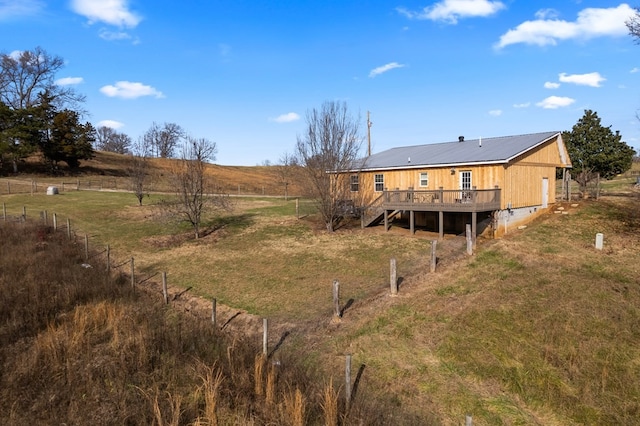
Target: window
point(465, 179)
point(355, 183)
point(379, 183)
point(424, 180)
point(465, 185)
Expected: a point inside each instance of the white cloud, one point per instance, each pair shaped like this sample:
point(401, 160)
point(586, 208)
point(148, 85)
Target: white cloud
point(592, 79)
point(591, 22)
point(451, 10)
point(634, 70)
point(68, 81)
point(380, 70)
point(112, 12)
point(130, 90)
point(555, 102)
point(286, 118)
point(18, 8)
point(111, 124)
point(547, 14)
point(551, 85)
point(113, 35)
point(495, 112)
point(522, 105)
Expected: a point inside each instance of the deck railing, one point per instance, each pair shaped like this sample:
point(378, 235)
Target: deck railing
point(442, 199)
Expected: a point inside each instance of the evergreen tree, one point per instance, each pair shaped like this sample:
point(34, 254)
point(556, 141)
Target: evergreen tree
point(69, 141)
point(20, 132)
point(595, 149)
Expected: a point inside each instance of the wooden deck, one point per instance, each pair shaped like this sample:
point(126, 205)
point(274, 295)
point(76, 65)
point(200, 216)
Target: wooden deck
point(474, 200)
point(391, 202)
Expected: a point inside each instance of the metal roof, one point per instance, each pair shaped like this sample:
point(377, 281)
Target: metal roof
point(470, 151)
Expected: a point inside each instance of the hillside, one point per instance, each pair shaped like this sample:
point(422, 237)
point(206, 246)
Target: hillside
point(108, 170)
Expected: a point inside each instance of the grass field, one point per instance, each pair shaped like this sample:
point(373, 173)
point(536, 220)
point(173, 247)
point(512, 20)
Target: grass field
point(535, 328)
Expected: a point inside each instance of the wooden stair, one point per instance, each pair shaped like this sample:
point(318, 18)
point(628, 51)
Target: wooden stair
point(374, 212)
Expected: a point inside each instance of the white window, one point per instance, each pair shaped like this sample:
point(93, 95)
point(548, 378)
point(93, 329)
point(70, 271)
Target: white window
point(465, 186)
point(465, 179)
point(379, 183)
point(424, 179)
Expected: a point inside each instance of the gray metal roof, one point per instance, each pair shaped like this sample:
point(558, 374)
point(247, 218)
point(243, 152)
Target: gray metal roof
point(470, 151)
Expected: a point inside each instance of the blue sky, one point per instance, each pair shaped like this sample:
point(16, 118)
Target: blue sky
point(244, 73)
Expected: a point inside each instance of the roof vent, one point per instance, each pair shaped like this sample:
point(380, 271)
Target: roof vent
point(408, 159)
point(480, 142)
point(460, 138)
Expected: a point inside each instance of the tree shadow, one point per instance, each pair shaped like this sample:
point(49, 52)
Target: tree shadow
point(356, 382)
point(346, 306)
point(280, 342)
point(227, 322)
point(240, 221)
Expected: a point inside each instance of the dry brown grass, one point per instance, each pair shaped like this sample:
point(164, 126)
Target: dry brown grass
point(77, 348)
point(108, 170)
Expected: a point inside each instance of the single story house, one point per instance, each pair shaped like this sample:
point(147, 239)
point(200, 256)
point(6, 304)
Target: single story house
point(494, 184)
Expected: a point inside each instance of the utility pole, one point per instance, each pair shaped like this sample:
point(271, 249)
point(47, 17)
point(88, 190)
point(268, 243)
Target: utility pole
point(369, 124)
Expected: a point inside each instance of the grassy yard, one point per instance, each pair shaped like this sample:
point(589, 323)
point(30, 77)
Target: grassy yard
point(259, 257)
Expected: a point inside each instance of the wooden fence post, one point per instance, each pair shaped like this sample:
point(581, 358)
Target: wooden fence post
point(69, 229)
point(4, 212)
point(468, 420)
point(297, 208)
point(108, 260)
point(86, 247)
point(46, 218)
point(393, 277)
point(165, 292)
point(469, 240)
point(213, 310)
point(24, 213)
point(347, 381)
point(265, 335)
point(55, 222)
point(133, 275)
point(336, 299)
point(434, 258)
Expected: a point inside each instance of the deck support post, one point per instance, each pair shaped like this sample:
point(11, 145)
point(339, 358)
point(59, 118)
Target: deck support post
point(474, 226)
point(386, 220)
point(440, 225)
point(412, 221)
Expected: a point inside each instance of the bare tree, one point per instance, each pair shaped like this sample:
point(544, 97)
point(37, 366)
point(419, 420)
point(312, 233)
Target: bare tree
point(164, 138)
point(110, 140)
point(194, 193)
point(25, 75)
point(139, 170)
point(284, 171)
point(633, 25)
point(329, 148)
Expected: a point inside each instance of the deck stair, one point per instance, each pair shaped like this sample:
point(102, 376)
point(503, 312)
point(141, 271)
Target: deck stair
point(374, 212)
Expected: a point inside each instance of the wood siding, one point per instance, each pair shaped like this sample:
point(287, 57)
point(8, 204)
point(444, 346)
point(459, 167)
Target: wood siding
point(520, 180)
